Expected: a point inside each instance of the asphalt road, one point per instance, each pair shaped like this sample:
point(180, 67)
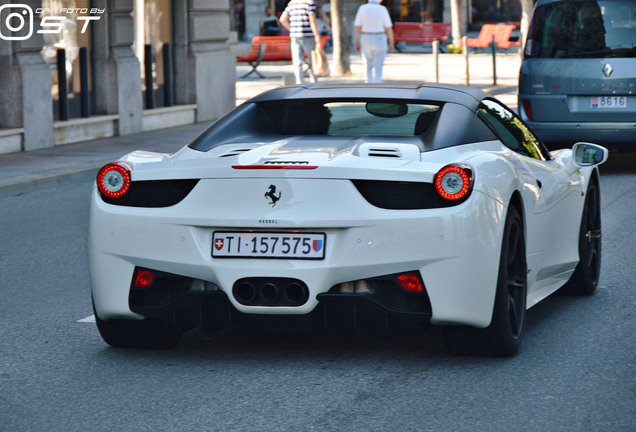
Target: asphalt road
point(576, 370)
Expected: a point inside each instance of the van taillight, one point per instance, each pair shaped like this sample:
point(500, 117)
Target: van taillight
point(527, 107)
point(528, 51)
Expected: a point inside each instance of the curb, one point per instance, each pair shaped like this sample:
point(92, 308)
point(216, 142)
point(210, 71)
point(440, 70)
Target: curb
point(22, 185)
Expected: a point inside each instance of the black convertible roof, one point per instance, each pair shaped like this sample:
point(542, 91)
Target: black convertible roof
point(413, 91)
point(455, 124)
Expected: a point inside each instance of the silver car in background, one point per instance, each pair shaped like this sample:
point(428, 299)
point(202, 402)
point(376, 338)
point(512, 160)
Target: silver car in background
point(578, 75)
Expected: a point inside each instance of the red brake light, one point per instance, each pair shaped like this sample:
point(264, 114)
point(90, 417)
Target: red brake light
point(410, 282)
point(454, 181)
point(276, 167)
point(144, 278)
point(113, 180)
point(527, 107)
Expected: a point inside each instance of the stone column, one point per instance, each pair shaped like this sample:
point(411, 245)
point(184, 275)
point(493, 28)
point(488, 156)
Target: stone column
point(25, 84)
point(117, 74)
point(204, 64)
point(254, 13)
point(447, 12)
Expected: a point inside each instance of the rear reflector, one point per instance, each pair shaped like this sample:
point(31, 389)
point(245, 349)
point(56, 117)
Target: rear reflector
point(410, 282)
point(144, 278)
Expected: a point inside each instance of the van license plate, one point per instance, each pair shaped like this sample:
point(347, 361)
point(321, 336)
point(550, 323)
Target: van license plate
point(608, 102)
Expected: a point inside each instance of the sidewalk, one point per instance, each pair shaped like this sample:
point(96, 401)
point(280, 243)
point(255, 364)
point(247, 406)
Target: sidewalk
point(21, 172)
point(405, 66)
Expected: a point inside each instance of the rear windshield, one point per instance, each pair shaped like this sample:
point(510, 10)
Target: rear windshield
point(348, 118)
point(267, 120)
point(583, 29)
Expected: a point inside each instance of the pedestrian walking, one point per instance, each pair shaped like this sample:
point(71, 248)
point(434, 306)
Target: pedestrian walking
point(373, 38)
point(299, 17)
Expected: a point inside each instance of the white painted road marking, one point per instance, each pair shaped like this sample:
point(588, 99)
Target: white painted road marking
point(88, 319)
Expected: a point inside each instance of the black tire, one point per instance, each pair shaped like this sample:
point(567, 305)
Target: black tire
point(503, 336)
point(147, 333)
point(585, 278)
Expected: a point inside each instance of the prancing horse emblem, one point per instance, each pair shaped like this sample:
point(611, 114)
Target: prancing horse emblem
point(271, 194)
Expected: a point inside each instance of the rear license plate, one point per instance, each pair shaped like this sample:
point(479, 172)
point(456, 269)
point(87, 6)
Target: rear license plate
point(268, 245)
point(608, 102)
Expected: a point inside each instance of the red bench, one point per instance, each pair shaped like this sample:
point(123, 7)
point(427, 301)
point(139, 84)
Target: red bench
point(499, 32)
point(270, 49)
point(420, 32)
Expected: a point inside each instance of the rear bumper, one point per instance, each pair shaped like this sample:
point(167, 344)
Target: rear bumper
point(623, 133)
point(336, 313)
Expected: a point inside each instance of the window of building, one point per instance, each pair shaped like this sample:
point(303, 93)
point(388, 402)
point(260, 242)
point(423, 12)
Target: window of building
point(74, 38)
point(152, 22)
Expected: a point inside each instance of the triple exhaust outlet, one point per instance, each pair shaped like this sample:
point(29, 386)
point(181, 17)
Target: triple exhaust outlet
point(270, 292)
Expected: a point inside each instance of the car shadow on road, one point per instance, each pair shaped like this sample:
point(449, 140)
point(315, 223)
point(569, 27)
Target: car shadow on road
point(276, 344)
point(542, 321)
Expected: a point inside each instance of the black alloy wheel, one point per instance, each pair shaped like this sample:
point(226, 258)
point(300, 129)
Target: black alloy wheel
point(516, 277)
point(585, 278)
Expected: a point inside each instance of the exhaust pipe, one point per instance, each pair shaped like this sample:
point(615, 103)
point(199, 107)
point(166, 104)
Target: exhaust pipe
point(296, 294)
point(245, 293)
point(270, 292)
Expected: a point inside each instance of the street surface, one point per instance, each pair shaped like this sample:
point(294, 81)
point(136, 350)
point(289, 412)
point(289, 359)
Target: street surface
point(576, 370)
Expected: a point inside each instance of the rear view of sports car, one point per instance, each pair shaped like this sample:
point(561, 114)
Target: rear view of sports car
point(346, 207)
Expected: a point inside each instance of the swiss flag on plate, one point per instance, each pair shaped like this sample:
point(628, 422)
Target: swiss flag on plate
point(218, 244)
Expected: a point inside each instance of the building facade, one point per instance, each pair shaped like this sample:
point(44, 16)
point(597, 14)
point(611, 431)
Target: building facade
point(73, 70)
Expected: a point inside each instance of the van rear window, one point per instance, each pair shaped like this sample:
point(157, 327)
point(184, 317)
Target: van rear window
point(583, 29)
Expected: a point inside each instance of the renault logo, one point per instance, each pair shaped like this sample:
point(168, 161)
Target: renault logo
point(607, 69)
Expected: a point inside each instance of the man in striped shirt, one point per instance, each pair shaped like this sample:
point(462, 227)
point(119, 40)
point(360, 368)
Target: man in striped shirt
point(299, 17)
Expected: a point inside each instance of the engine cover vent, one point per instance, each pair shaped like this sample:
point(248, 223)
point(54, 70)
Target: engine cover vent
point(397, 151)
point(234, 152)
point(380, 152)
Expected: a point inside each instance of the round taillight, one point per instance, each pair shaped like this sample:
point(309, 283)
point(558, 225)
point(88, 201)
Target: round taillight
point(113, 180)
point(454, 181)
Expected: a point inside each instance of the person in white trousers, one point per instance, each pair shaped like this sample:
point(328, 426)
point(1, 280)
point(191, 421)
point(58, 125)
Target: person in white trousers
point(373, 38)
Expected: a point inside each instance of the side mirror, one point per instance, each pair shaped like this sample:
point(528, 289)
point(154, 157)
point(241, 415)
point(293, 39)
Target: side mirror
point(586, 154)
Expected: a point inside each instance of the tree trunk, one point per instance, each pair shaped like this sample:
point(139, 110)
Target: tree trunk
point(341, 40)
point(526, 13)
point(458, 21)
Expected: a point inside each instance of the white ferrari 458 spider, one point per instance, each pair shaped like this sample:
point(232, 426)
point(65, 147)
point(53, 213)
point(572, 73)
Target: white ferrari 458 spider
point(346, 207)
